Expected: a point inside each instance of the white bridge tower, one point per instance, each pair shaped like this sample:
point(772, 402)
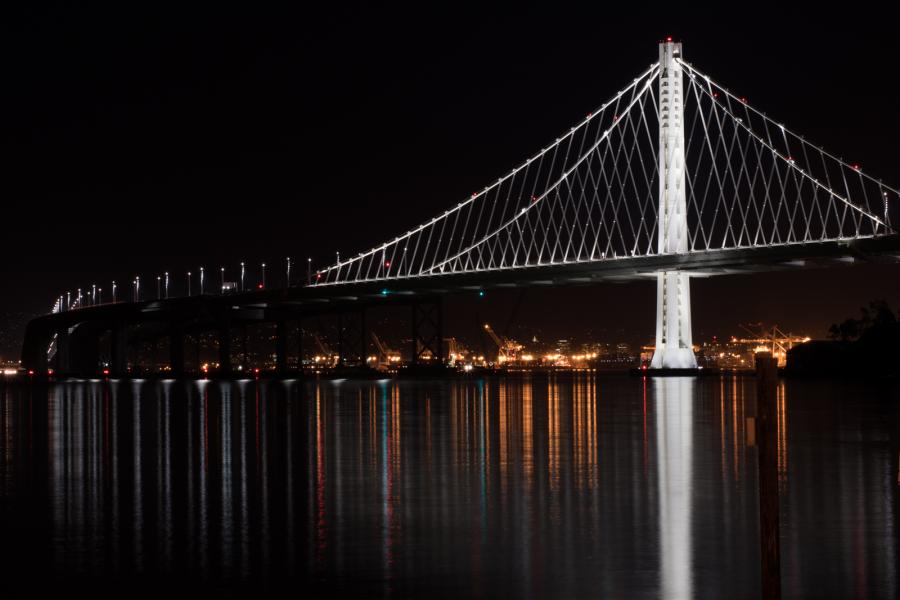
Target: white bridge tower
point(674, 346)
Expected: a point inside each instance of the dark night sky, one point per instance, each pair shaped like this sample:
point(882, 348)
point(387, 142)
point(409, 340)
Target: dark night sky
point(143, 138)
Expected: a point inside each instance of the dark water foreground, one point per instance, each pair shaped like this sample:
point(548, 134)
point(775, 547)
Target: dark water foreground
point(547, 486)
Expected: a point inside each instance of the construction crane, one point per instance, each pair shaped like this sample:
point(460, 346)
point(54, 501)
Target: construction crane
point(386, 356)
point(508, 349)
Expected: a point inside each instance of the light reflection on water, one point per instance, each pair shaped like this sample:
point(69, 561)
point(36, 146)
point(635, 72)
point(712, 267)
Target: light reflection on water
point(537, 486)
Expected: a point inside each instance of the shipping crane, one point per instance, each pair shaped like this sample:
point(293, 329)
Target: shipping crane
point(329, 356)
point(775, 340)
point(452, 350)
point(386, 357)
point(508, 349)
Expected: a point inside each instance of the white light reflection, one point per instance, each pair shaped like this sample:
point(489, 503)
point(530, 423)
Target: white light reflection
point(674, 431)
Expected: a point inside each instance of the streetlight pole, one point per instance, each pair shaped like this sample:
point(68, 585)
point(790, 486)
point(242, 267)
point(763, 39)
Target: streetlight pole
point(264, 275)
point(167, 285)
point(114, 292)
point(287, 279)
point(222, 279)
point(189, 283)
point(79, 298)
point(137, 288)
point(158, 287)
point(309, 271)
point(93, 294)
point(68, 300)
point(99, 295)
point(201, 280)
point(242, 276)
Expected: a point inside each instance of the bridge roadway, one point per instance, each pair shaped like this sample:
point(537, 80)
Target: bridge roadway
point(79, 331)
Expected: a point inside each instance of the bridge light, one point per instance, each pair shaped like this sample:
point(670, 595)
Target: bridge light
point(481, 293)
point(384, 292)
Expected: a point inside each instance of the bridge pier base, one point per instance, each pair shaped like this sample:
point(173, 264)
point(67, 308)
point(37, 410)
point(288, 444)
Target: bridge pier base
point(674, 345)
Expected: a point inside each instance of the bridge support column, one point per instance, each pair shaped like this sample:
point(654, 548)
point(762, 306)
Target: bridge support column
point(300, 345)
point(34, 348)
point(84, 351)
point(118, 350)
point(225, 348)
point(352, 342)
point(674, 346)
point(281, 346)
point(61, 360)
point(427, 332)
point(176, 350)
point(245, 353)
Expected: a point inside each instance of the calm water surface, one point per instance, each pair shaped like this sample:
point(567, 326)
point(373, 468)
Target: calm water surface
point(539, 486)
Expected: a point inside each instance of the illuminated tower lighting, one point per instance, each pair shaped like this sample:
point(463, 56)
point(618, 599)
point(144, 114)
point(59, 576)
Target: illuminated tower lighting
point(674, 347)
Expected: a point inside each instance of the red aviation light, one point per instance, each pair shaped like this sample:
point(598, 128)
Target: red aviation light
point(669, 38)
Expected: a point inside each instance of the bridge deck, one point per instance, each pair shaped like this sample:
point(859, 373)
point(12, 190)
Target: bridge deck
point(701, 264)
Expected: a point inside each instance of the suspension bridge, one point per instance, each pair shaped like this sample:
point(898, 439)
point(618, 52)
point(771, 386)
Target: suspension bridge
point(673, 177)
